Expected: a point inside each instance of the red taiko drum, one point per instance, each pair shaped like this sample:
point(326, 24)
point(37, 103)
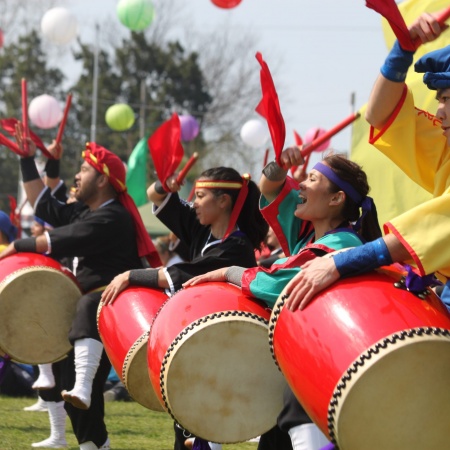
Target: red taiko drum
point(369, 362)
point(124, 327)
point(38, 298)
point(210, 363)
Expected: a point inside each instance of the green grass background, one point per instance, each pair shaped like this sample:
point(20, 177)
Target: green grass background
point(130, 426)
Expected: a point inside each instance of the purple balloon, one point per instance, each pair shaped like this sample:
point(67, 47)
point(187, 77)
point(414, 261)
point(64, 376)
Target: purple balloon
point(189, 127)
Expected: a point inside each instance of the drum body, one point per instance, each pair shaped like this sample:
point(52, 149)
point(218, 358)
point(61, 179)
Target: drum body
point(210, 363)
point(369, 362)
point(38, 298)
point(124, 327)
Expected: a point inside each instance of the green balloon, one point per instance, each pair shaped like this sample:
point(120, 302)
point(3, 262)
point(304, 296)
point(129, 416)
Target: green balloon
point(119, 117)
point(135, 14)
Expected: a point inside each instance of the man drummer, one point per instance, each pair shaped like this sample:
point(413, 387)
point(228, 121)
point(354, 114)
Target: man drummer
point(419, 145)
point(8, 231)
point(104, 230)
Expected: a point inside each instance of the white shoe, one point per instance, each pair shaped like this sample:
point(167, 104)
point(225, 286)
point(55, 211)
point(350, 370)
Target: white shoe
point(88, 353)
point(105, 446)
point(46, 379)
point(39, 406)
point(91, 446)
point(88, 446)
point(50, 443)
point(57, 415)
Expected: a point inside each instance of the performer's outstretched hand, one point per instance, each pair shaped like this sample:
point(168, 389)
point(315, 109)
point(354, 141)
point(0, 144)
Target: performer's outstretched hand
point(55, 149)
point(10, 250)
point(117, 285)
point(20, 138)
point(315, 276)
point(215, 275)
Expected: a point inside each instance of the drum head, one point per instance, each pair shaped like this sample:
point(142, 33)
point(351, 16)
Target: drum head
point(398, 397)
point(37, 305)
point(136, 378)
point(208, 381)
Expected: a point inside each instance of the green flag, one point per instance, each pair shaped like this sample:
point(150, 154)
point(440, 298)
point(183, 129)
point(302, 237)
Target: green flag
point(136, 179)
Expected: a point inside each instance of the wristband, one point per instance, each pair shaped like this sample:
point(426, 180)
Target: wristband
point(234, 275)
point(27, 245)
point(29, 169)
point(273, 172)
point(52, 168)
point(397, 64)
point(159, 188)
point(363, 259)
point(144, 277)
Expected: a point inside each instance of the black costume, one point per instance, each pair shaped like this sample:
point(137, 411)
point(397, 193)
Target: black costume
point(206, 253)
point(104, 241)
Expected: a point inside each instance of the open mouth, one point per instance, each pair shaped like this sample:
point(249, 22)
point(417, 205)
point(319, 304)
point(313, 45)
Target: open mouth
point(302, 199)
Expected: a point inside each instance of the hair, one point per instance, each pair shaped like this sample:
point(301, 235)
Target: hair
point(353, 174)
point(250, 220)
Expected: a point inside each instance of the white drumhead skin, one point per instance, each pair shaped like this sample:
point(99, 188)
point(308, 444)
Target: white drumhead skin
point(398, 399)
point(136, 377)
point(220, 381)
point(37, 306)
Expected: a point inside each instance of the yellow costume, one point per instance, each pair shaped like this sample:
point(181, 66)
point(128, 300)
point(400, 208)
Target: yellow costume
point(414, 141)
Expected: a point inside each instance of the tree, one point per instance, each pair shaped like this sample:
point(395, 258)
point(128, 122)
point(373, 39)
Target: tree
point(24, 59)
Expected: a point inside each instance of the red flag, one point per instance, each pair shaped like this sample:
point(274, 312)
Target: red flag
point(269, 108)
point(389, 10)
point(9, 125)
point(11, 145)
point(166, 149)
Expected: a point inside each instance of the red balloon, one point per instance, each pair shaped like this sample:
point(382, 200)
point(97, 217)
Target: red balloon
point(1, 38)
point(226, 4)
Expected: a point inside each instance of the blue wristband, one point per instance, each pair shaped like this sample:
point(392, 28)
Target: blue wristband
point(363, 259)
point(397, 64)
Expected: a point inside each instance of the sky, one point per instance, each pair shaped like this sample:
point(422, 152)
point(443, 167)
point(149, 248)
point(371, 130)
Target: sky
point(320, 52)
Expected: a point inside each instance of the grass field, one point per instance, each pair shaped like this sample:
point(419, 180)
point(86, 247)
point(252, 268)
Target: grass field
point(130, 426)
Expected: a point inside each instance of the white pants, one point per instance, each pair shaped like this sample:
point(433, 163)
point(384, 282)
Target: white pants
point(307, 437)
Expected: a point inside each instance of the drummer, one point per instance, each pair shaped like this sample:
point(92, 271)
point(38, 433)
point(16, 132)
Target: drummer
point(8, 232)
point(104, 230)
point(222, 227)
point(419, 145)
point(310, 220)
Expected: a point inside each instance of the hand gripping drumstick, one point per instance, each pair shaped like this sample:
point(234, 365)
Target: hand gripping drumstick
point(181, 176)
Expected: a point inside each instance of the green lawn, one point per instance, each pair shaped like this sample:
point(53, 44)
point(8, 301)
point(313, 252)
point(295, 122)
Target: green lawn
point(130, 426)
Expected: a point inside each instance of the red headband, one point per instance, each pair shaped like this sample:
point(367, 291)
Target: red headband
point(109, 164)
point(222, 184)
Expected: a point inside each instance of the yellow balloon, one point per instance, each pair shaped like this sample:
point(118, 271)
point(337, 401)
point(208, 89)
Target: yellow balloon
point(119, 117)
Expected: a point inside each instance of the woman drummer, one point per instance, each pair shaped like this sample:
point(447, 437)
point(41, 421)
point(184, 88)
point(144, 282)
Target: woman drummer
point(222, 227)
point(318, 216)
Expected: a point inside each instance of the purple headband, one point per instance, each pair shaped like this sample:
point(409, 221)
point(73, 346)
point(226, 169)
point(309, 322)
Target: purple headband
point(366, 203)
point(344, 185)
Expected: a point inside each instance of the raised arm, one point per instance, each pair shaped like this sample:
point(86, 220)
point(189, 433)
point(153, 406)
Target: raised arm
point(156, 193)
point(274, 176)
point(389, 85)
point(32, 181)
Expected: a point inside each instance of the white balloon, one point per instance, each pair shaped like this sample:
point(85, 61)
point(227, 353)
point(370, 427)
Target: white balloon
point(59, 25)
point(44, 111)
point(255, 133)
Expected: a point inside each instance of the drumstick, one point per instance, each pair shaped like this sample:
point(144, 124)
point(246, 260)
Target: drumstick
point(63, 120)
point(25, 114)
point(330, 133)
point(181, 176)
